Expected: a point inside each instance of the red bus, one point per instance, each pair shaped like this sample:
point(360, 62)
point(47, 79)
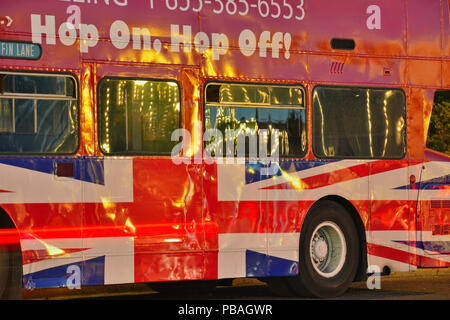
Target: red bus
point(113, 137)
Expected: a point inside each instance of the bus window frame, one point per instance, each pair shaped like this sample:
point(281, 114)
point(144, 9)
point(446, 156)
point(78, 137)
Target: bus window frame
point(42, 96)
point(132, 154)
point(263, 106)
point(404, 113)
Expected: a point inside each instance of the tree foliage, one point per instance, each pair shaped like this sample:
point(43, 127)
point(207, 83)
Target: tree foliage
point(439, 129)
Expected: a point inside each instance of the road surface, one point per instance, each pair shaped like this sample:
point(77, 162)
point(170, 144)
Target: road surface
point(425, 284)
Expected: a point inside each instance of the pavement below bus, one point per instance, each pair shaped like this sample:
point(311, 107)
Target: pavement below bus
point(423, 284)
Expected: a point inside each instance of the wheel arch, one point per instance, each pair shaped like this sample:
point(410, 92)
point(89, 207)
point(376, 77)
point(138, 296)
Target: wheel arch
point(5, 220)
point(7, 223)
point(12, 239)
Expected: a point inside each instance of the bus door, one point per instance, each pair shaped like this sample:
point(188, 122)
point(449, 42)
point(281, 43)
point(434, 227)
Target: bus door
point(433, 209)
point(151, 219)
point(434, 193)
point(247, 186)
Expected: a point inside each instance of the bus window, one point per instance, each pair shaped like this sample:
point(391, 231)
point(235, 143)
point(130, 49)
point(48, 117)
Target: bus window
point(246, 110)
point(358, 122)
point(38, 113)
point(438, 131)
point(138, 116)
point(37, 84)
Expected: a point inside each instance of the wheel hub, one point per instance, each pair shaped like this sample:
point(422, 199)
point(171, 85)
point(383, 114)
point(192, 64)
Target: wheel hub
point(320, 249)
point(328, 249)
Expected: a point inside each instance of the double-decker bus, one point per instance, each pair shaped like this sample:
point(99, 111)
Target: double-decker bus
point(117, 164)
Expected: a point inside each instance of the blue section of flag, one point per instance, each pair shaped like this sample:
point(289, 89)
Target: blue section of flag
point(92, 273)
point(441, 247)
point(262, 265)
point(93, 170)
point(35, 164)
point(84, 169)
point(253, 170)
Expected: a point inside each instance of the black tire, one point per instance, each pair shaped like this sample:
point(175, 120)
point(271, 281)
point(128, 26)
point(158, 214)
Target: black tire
point(326, 266)
point(10, 272)
point(184, 288)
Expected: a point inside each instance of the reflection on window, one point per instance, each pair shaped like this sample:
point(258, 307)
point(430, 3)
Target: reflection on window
point(249, 115)
point(138, 116)
point(38, 84)
point(358, 122)
point(38, 114)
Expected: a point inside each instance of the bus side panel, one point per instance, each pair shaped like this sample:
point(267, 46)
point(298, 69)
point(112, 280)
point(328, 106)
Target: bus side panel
point(383, 36)
point(446, 29)
point(419, 106)
point(433, 219)
point(356, 70)
point(54, 52)
point(424, 39)
point(47, 210)
point(401, 224)
point(241, 224)
point(389, 216)
point(446, 74)
point(52, 57)
point(163, 216)
point(259, 216)
point(235, 65)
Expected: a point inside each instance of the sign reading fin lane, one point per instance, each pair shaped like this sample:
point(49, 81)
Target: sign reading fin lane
point(20, 50)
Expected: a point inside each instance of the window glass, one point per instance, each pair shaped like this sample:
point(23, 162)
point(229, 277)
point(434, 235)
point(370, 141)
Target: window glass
point(6, 115)
point(254, 95)
point(359, 122)
point(38, 114)
point(37, 84)
point(244, 94)
point(24, 116)
point(247, 116)
point(138, 116)
point(286, 96)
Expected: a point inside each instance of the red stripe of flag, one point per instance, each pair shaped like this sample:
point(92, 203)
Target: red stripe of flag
point(403, 256)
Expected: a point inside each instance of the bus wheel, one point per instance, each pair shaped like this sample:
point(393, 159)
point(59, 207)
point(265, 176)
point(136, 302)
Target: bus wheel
point(328, 253)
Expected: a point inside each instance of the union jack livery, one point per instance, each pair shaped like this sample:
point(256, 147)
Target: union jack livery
point(185, 140)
